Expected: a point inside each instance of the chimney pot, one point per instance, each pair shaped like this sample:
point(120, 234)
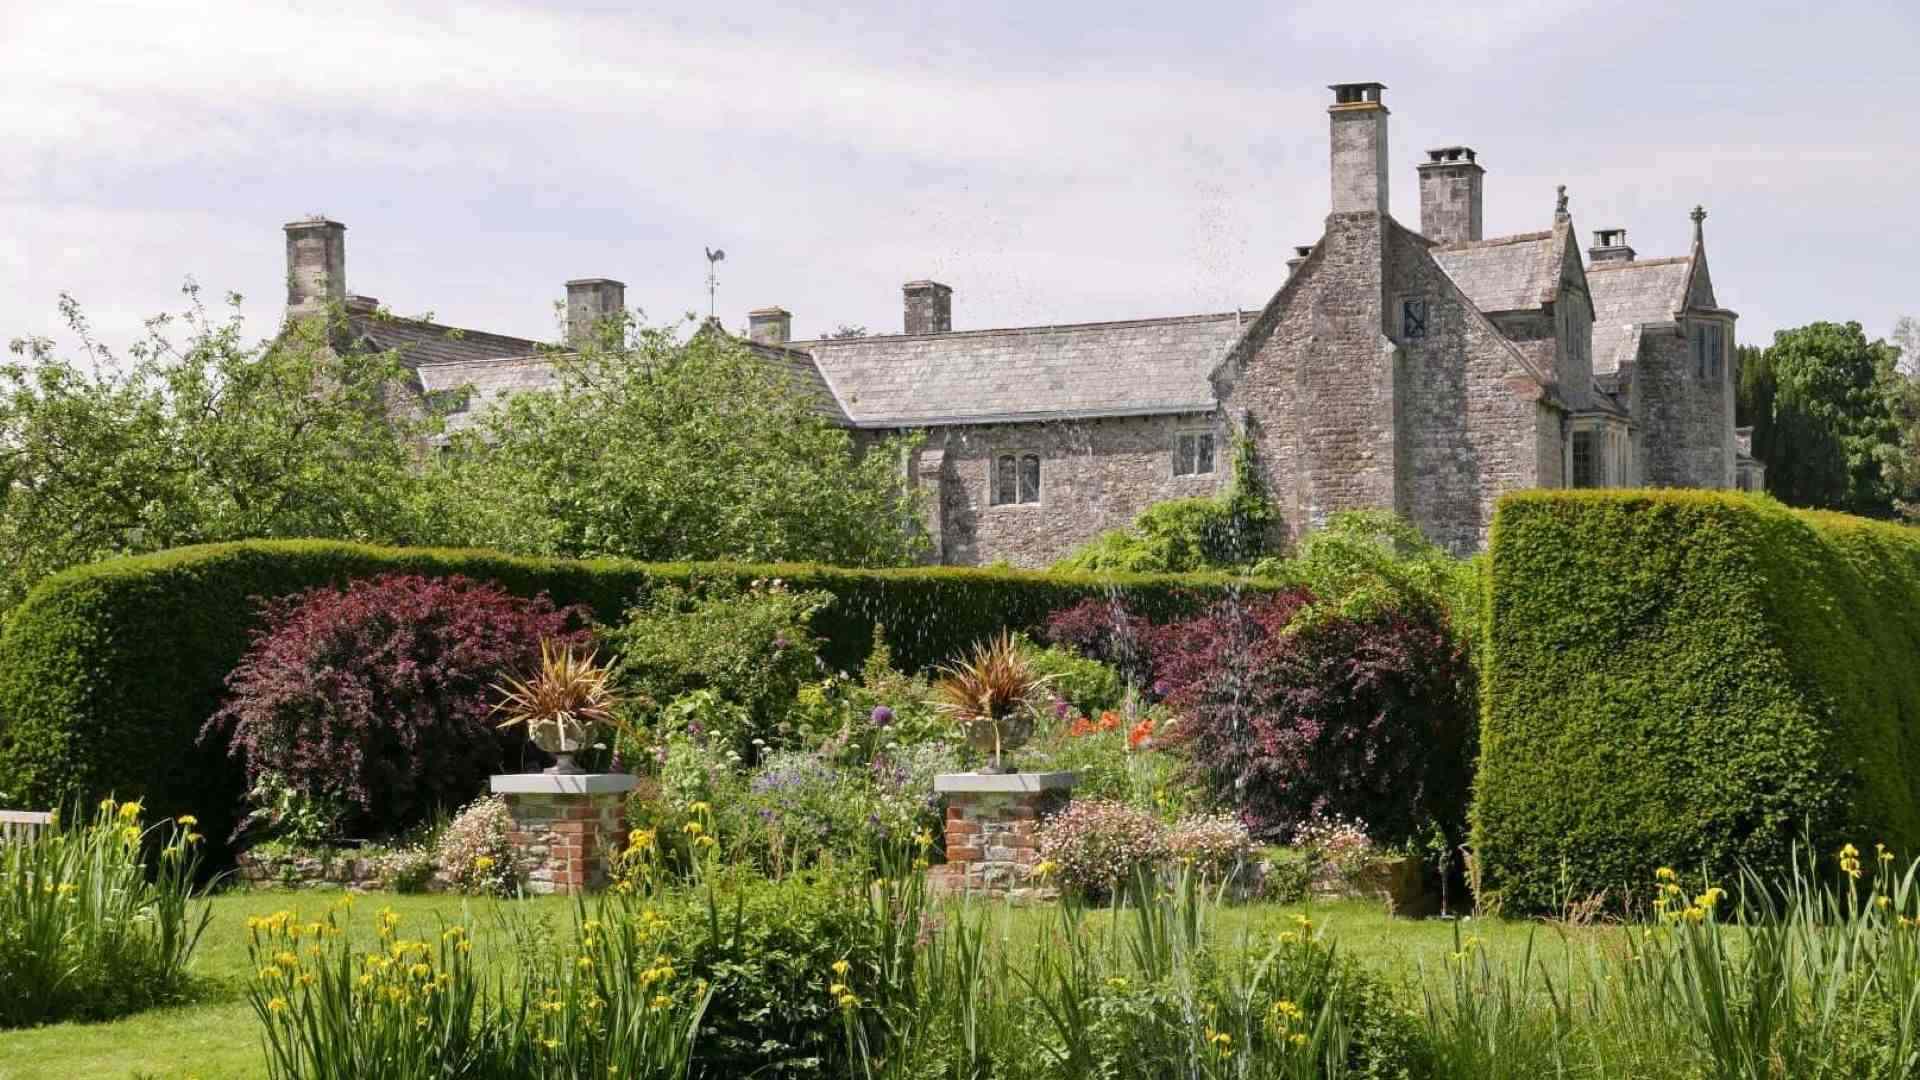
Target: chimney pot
point(1452, 194)
point(770, 325)
point(316, 265)
point(591, 301)
point(1300, 254)
point(929, 307)
point(1610, 245)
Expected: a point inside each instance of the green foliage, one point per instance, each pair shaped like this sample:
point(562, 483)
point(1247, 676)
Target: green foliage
point(211, 439)
point(1365, 563)
point(1820, 400)
point(87, 929)
point(750, 648)
point(1184, 535)
point(659, 446)
point(1088, 686)
point(1690, 680)
point(108, 671)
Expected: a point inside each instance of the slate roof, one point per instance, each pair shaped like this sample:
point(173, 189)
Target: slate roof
point(1628, 294)
point(1507, 273)
point(1133, 368)
point(489, 381)
point(422, 342)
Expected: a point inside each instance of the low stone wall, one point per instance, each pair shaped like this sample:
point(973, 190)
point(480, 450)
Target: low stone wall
point(311, 870)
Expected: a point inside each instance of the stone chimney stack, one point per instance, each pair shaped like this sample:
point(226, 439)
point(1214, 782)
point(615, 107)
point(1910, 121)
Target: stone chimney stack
point(316, 265)
point(929, 307)
point(770, 325)
point(1359, 126)
point(1450, 195)
point(1299, 256)
point(1610, 245)
point(589, 302)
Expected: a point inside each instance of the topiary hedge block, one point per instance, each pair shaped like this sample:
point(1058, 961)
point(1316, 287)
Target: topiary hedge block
point(1695, 680)
point(108, 671)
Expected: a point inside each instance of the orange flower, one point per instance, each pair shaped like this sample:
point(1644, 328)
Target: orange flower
point(1141, 732)
point(1109, 721)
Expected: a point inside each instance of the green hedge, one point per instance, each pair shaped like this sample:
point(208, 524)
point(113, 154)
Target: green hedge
point(1694, 680)
point(108, 671)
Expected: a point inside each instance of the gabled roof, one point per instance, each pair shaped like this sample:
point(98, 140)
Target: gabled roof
point(1133, 368)
point(419, 342)
point(1507, 273)
point(490, 380)
point(1628, 294)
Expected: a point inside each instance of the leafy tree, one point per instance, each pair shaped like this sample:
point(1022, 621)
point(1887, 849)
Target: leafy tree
point(846, 330)
point(1902, 461)
point(656, 446)
point(1819, 400)
point(212, 439)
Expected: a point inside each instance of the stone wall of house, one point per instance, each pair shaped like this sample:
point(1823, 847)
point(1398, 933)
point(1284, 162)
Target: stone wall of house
point(1470, 415)
point(1684, 424)
point(1095, 475)
point(1317, 381)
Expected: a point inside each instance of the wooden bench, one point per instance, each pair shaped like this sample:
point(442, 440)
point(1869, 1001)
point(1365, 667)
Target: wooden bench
point(22, 825)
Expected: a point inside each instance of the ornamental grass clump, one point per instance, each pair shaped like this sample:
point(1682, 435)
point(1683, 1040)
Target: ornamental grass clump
point(1094, 848)
point(98, 919)
point(608, 1003)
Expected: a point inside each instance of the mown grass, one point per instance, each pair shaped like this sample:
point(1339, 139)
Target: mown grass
point(214, 1035)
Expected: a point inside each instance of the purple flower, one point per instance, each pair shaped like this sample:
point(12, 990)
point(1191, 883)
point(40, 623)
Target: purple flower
point(694, 728)
point(1061, 708)
point(882, 716)
point(780, 642)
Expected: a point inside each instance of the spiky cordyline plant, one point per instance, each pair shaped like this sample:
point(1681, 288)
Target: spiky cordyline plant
point(570, 698)
point(994, 689)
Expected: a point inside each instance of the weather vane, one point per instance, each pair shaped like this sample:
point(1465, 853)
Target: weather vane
point(714, 255)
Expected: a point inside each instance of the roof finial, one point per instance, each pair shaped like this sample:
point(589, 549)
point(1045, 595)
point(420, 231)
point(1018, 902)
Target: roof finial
point(1560, 202)
point(1699, 217)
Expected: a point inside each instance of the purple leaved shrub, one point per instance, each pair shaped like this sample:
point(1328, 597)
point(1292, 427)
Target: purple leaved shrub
point(1286, 715)
point(377, 697)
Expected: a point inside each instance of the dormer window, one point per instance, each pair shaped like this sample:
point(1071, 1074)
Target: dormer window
point(1413, 318)
point(1016, 478)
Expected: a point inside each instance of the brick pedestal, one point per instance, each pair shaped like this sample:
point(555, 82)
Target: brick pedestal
point(991, 819)
point(566, 829)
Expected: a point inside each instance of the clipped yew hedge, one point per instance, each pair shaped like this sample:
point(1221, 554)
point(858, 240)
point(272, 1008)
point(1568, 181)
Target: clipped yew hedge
point(108, 671)
point(1695, 680)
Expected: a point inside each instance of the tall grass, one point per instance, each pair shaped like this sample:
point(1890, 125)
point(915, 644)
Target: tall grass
point(97, 919)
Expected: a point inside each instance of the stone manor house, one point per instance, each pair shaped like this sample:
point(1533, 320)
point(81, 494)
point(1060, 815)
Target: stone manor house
point(1425, 372)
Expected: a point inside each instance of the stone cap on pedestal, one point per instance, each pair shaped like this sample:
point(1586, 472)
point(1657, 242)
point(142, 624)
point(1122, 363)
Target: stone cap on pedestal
point(564, 783)
point(1024, 783)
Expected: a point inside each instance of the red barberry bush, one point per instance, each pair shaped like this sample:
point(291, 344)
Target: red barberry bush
point(1287, 714)
point(376, 698)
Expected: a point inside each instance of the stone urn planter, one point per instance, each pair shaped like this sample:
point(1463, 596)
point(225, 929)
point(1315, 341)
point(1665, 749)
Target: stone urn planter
point(993, 698)
point(564, 706)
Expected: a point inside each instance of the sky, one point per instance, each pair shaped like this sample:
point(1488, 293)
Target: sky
point(1051, 162)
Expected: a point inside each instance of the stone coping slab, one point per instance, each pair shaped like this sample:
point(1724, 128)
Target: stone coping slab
point(1025, 783)
point(564, 783)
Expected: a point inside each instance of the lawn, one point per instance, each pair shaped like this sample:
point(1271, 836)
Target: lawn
point(213, 1037)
